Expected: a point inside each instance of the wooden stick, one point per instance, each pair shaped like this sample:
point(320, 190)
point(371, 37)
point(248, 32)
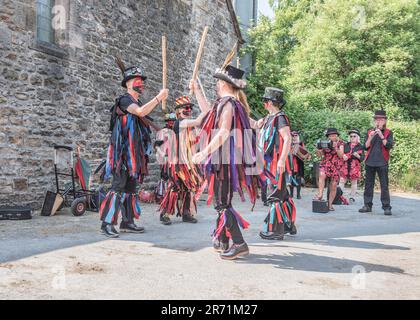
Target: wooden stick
point(164, 70)
point(199, 54)
point(202, 89)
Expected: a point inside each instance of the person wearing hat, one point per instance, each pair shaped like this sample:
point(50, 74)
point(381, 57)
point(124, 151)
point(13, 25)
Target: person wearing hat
point(128, 153)
point(274, 140)
point(161, 148)
point(330, 166)
point(226, 152)
point(185, 178)
point(297, 165)
point(352, 159)
point(379, 141)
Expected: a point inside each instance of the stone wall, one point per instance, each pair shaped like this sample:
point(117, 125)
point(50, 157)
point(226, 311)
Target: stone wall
point(62, 95)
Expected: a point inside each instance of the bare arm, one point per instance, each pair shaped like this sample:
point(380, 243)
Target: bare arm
point(202, 102)
point(369, 139)
point(284, 132)
point(287, 141)
point(145, 109)
point(256, 124)
point(188, 123)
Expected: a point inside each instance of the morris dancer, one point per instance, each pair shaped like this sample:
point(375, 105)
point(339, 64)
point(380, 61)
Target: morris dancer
point(162, 137)
point(185, 178)
point(128, 153)
point(228, 150)
point(298, 166)
point(275, 141)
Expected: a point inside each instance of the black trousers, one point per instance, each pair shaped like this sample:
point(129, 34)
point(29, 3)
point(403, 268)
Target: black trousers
point(123, 183)
point(264, 188)
point(370, 184)
point(298, 187)
point(223, 200)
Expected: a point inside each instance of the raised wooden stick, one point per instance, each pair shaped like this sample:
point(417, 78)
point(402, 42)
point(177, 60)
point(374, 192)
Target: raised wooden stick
point(164, 70)
point(202, 88)
point(199, 54)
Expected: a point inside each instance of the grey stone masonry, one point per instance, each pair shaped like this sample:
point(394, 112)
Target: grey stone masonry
point(61, 93)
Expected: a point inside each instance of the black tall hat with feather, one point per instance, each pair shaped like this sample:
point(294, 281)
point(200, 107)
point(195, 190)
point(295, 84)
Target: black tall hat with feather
point(129, 73)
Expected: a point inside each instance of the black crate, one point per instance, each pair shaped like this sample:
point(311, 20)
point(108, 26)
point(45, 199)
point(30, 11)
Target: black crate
point(320, 206)
point(15, 213)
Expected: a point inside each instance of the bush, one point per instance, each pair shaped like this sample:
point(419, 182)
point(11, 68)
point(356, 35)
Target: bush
point(404, 165)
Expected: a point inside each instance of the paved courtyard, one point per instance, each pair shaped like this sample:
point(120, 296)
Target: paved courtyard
point(339, 255)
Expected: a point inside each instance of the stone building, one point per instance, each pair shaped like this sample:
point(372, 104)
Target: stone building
point(58, 78)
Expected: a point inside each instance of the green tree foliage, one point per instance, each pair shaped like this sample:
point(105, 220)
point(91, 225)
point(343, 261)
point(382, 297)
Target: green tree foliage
point(338, 61)
point(345, 54)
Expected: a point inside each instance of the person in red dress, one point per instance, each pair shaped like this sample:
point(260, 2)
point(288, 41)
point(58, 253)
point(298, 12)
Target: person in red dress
point(330, 165)
point(352, 162)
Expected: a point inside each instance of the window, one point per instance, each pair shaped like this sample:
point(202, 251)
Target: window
point(44, 29)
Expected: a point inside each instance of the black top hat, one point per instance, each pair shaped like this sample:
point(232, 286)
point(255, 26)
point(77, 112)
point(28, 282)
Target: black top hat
point(331, 131)
point(231, 75)
point(354, 131)
point(170, 117)
point(275, 95)
point(380, 114)
point(130, 73)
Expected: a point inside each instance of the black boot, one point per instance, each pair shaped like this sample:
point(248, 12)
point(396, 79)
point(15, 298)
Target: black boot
point(130, 227)
point(292, 230)
point(388, 212)
point(235, 251)
point(165, 220)
point(188, 218)
point(220, 246)
point(271, 235)
point(365, 209)
point(298, 193)
point(109, 231)
point(277, 234)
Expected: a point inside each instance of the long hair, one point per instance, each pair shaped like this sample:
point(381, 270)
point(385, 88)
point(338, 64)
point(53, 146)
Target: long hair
point(357, 138)
point(241, 96)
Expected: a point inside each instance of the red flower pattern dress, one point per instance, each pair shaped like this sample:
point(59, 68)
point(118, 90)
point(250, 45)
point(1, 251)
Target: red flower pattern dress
point(331, 164)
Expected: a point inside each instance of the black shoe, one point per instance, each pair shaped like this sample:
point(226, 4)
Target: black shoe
point(351, 200)
point(292, 230)
point(188, 218)
point(130, 228)
point(387, 212)
point(298, 197)
point(220, 246)
point(109, 231)
point(266, 203)
point(365, 209)
point(271, 235)
point(113, 229)
point(235, 251)
point(165, 220)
